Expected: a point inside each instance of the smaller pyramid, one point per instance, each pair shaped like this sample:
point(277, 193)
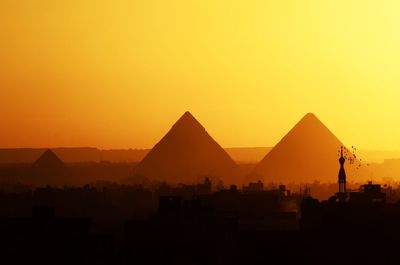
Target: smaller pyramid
point(48, 169)
point(48, 160)
point(308, 152)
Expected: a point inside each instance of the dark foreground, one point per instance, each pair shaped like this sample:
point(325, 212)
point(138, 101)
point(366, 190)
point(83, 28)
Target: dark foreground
point(191, 225)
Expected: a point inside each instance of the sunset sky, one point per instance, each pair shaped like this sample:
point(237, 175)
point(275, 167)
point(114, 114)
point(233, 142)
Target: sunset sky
point(118, 74)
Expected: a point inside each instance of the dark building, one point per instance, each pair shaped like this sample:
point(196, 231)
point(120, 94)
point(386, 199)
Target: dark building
point(342, 193)
point(204, 188)
point(368, 194)
point(254, 186)
point(45, 239)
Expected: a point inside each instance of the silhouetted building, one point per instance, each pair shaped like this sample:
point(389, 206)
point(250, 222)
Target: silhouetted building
point(284, 191)
point(45, 239)
point(342, 194)
point(204, 188)
point(254, 186)
point(43, 212)
point(169, 205)
point(368, 194)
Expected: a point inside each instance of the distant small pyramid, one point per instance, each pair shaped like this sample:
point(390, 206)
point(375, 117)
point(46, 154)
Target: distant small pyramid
point(187, 153)
point(48, 169)
point(308, 152)
point(48, 160)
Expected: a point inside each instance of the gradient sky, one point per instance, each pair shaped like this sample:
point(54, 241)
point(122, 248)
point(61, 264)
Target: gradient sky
point(117, 74)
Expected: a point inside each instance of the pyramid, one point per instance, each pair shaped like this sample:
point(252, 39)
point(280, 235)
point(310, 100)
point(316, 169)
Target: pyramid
point(307, 153)
point(48, 169)
point(187, 154)
point(48, 160)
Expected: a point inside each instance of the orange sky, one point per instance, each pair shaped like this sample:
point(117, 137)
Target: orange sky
point(117, 74)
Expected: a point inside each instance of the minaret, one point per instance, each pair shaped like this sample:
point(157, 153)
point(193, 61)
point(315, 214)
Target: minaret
point(342, 178)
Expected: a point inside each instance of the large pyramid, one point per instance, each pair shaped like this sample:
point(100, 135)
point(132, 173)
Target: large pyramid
point(187, 154)
point(307, 153)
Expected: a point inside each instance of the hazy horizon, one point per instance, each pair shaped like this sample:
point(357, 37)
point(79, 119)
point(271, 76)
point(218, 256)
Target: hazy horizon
point(238, 154)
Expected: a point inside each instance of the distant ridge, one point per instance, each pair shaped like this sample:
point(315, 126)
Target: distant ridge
point(72, 155)
point(187, 153)
point(306, 153)
point(91, 154)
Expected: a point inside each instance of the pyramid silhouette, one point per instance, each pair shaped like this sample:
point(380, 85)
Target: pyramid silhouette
point(48, 169)
point(48, 160)
point(307, 153)
point(187, 153)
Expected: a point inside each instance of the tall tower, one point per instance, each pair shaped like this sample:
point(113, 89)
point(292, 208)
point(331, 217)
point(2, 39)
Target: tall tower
point(342, 177)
